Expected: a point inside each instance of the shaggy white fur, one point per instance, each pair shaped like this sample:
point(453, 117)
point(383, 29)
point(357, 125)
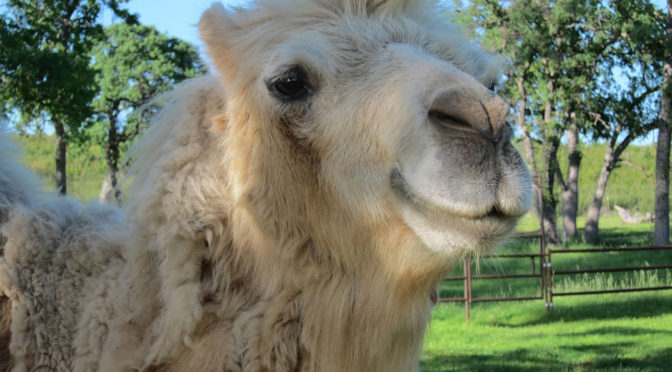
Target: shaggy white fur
point(293, 213)
point(18, 185)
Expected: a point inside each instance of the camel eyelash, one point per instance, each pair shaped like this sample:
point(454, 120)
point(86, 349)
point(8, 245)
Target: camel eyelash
point(291, 86)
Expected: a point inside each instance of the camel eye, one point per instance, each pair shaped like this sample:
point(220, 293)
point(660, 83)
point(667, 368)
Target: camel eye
point(291, 86)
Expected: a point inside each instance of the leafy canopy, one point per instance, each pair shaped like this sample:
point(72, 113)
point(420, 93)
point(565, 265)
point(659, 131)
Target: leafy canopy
point(133, 64)
point(44, 57)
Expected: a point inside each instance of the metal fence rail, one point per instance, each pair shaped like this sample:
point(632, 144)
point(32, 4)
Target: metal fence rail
point(552, 273)
point(546, 273)
point(468, 298)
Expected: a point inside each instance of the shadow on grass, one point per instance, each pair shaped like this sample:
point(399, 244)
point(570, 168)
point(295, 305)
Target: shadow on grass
point(609, 308)
point(602, 358)
point(619, 331)
point(608, 358)
point(517, 360)
point(601, 349)
point(617, 237)
point(657, 362)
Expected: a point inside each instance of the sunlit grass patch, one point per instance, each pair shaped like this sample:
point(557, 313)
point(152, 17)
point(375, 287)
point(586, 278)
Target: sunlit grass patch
point(590, 333)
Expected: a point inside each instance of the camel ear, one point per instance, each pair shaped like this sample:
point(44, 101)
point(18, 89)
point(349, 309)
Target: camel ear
point(217, 28)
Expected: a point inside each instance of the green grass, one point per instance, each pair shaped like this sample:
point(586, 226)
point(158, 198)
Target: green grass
point(622, 332)
point(608, 332)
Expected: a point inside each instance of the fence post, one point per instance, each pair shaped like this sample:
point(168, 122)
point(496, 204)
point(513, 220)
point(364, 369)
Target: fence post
point(549, 285)
point(467, 286)
point(544, 270)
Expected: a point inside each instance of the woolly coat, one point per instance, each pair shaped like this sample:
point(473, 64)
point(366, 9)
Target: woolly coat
point(252, 241)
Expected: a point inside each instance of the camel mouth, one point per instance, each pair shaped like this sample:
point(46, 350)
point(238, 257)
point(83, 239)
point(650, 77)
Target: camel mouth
point(496, 213)
point(448, 232)
point(403, 191)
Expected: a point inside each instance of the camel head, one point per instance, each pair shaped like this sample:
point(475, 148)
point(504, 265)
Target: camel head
point(366, 129)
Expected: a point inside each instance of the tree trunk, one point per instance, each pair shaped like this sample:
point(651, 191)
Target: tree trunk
point(661, 230)
point(591, 233)
point(570, 193)
point(549, 215)
point(61, 152)
point(110, 189)
point(528, 148)
point(106, 189)
point(551, 144)
point(611, 157)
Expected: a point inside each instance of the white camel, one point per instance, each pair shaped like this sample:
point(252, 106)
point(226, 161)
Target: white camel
point(294, 212)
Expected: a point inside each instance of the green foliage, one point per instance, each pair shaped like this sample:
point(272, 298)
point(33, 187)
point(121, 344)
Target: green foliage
point(44, 63)
point(553, 47)
point(58, 64)
point(625, 102)
point(633, 179)
point(133, 65)
point(45, 70)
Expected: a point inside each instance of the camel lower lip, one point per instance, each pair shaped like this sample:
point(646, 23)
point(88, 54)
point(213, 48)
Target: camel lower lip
point(402, 190)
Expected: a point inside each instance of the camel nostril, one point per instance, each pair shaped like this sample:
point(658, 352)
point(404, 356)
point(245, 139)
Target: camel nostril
point(445, 120)
point(469, 109)
point(460, 108)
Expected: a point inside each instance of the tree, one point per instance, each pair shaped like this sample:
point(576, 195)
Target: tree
point(623, 111)
point(44, 64)
point(133, 64)
point(553, 54)
point(622, 125)
point(585, 43)
point(562, 53)
point(661, 231)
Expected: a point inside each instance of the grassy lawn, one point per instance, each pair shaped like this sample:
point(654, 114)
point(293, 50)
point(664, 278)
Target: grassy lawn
point(621, 332)
point(608, 332)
